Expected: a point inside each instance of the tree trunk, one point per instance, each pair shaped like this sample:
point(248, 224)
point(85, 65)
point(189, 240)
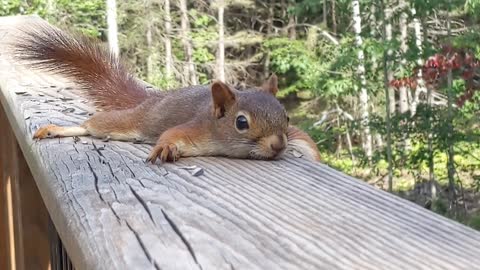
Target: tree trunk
point(452, 194)
point(388, 76)
point(189, 67)
point(292, 31)
point(334, 18)
point(325, 14)
point(403, 98)
point(389, 73)
point(112, 26)
point(367, 137)
point(403, 90)
point(221, 42)
point(149, 41)
point(167, 41)
point(420, 82)
point(349, 144)
point(373, 33)
point(431, 165)
point(266, 69)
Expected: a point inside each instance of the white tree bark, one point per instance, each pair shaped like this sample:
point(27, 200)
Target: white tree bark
point(221, 42)
point(149, 41)
point(402, 92)
point(420, 82)
point(373, 32)
point(112, 26)
point(189, 67)
point(389, 92)
point(271, 4)
point(167, 41)
point(357, 25)
point(389, 72)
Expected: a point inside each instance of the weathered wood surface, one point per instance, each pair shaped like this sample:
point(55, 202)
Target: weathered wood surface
point(113, 211)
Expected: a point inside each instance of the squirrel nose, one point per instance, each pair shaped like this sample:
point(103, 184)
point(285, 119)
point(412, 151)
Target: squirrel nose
point(278, 144)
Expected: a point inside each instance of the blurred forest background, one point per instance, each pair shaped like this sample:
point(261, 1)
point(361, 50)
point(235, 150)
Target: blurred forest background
point(387, 88)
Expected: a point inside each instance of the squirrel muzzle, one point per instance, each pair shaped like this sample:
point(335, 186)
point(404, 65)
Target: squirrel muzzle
point(270, 147)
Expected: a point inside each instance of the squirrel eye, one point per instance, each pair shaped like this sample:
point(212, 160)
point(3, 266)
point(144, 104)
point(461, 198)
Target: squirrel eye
point(241, 123)
point(288, 119)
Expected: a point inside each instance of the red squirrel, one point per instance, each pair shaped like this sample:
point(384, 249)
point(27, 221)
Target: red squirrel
point(204, 120)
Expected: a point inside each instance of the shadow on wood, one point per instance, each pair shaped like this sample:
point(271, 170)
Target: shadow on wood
point(23, 216)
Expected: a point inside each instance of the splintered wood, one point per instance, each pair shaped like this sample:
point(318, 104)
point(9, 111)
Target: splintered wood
point(113, 211)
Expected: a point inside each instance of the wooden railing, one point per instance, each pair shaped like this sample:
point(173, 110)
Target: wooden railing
point(113, 211)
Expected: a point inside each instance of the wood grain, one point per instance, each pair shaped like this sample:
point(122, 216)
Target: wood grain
point(113, 211)
point(7, 261)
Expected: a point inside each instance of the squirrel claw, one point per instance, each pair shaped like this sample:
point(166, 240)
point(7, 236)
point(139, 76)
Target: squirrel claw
point(165, 152)
point(44, 132)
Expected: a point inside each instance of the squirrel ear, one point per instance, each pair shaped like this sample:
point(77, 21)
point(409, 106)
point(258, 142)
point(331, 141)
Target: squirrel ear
point(271, 85)
point(223, 97)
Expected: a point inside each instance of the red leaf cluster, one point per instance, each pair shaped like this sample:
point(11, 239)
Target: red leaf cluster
point(462, 63)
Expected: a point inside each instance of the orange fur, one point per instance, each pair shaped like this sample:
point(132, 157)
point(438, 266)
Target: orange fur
point(178, 141)
point(181, 122)
point(300, 141)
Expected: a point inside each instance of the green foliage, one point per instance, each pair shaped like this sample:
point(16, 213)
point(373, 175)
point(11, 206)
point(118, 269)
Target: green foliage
point(474, 222)
point(86, 16)
point(472, 7)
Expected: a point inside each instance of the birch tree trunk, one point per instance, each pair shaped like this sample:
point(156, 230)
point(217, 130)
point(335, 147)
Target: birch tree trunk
point(452, 194)
point(189, 67)
point(431, 165)
point(389, 72)
point(388, 77)
point(149, 41)
point(403, 90)
point(403, 98)
point(168, 43)
point(221, 42)
point(266, 69)
point(357, 25)
point(420, 82)
point(112, 26)
point(373, 32)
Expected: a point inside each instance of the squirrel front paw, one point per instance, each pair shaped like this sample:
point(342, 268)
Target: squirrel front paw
point(48, 131)
point(164, 151)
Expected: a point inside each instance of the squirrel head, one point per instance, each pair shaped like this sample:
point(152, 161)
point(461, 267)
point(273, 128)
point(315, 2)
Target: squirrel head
point(253, 120)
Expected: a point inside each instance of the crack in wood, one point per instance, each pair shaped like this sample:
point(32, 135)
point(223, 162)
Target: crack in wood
point(119, 219)
point(111, 171)
point(95, 177)
point(142, 246)
point(97, 149)
point(182, 237)
point(143, 203)
point(128, 167)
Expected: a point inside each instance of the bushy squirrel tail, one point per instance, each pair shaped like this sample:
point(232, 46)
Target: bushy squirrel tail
point(88, 63)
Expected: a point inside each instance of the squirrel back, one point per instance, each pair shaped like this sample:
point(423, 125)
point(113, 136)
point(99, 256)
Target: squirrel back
point(87, 62)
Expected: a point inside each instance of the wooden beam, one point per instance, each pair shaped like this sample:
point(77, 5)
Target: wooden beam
point(34, 216)
point(11, 220)
point(4, 227)
point(23, 216)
